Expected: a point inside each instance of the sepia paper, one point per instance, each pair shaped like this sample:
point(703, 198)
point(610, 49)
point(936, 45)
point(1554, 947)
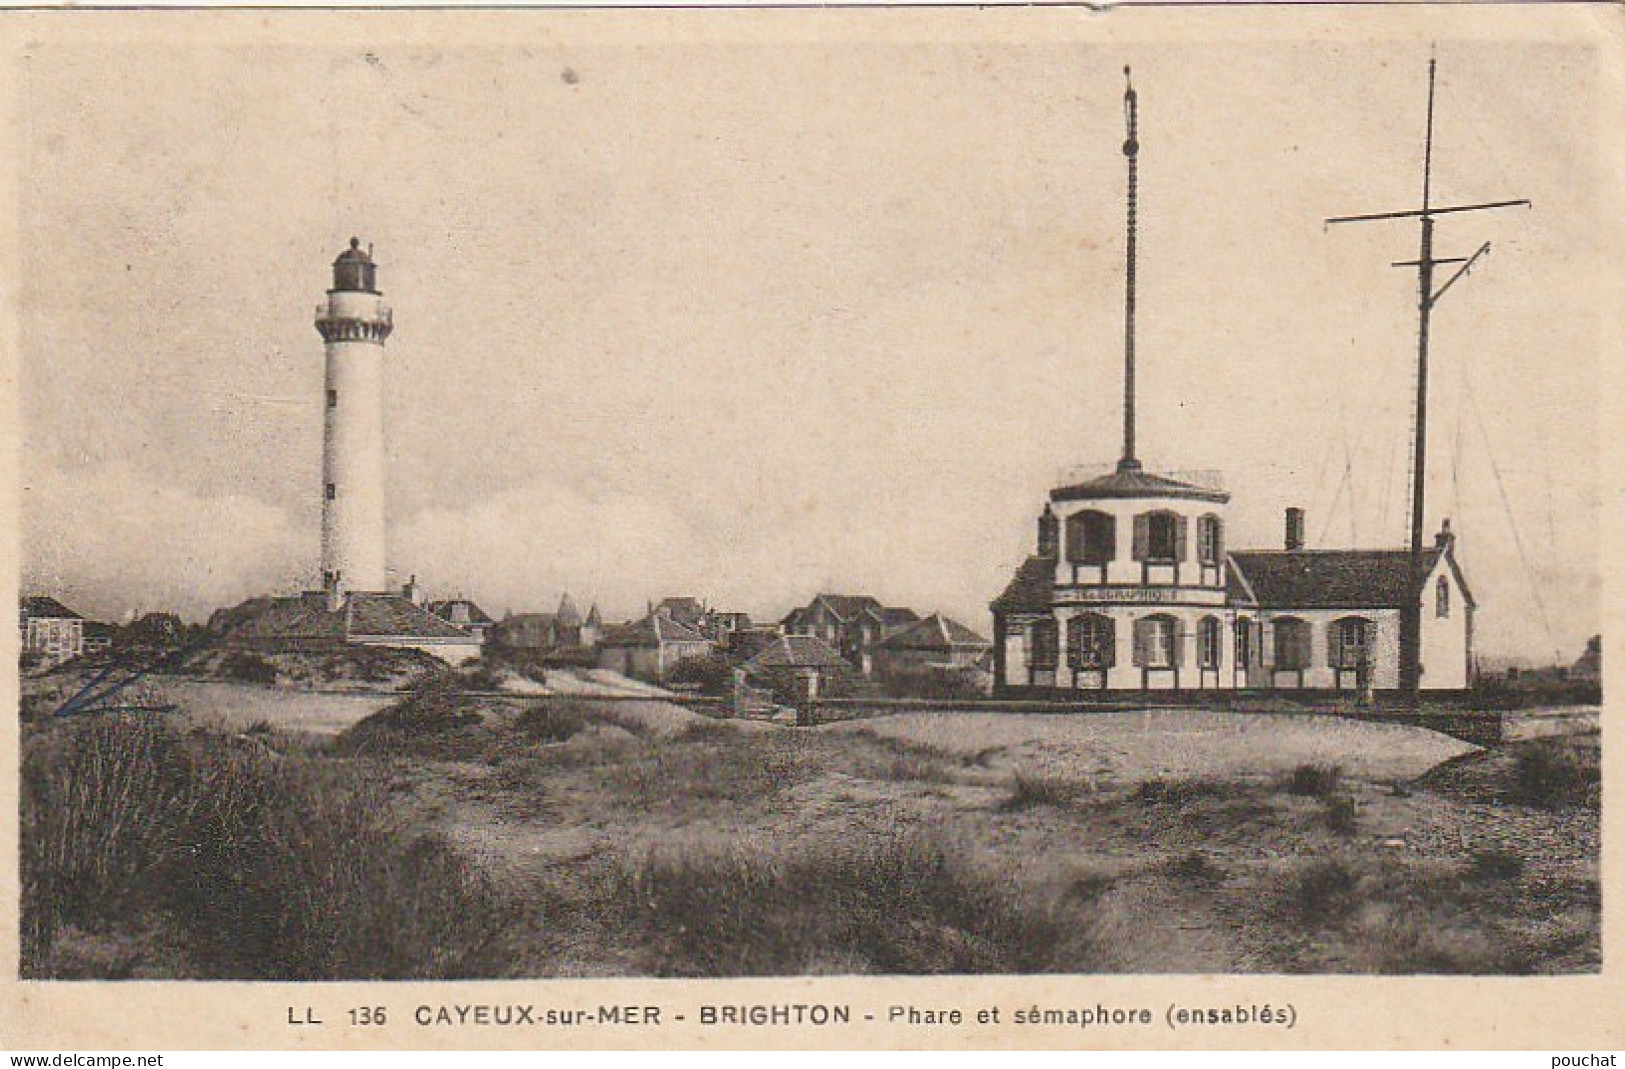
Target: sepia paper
point(753, 305)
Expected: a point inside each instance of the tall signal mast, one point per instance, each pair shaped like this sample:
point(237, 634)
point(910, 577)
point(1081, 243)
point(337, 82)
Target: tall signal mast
point(1410, 621)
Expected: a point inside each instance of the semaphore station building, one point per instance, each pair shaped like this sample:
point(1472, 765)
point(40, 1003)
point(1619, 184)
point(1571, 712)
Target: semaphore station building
point(1131, 587)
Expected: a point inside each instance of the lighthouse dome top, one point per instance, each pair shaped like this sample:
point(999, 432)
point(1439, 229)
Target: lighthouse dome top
point(354, 270)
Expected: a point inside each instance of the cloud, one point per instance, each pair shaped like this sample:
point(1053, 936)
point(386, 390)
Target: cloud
point(110, 539)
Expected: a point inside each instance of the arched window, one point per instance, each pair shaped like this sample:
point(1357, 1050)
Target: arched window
point(1292, 644)
point(1091, 641)
point(1046, 652)
point(1159, 537)
point(1091, 537)
point(1244, 643)
point(1156, 642)
point(1210, 642)
point(1348, 642)
point(1441, 598)
point(1209, 539)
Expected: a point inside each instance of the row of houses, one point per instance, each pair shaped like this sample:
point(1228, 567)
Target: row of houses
point(834, 636)
point(51, 633)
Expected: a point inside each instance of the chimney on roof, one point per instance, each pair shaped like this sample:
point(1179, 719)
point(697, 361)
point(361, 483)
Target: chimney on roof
point(1446, 538)
point(1049, 533)
point(1294, 529)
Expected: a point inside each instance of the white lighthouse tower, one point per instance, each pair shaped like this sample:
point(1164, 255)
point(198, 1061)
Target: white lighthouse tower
point(354, 322)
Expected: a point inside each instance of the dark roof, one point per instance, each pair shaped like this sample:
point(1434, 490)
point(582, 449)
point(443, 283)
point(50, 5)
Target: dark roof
point(396, 616)
point(306, 616)
point(1135, 483)
point(935, 632)
point(892, 615)
point(353, 253)
point(1236, 589)
point(42, 606)
point(652, 630)
point(569, 615)
point(796, 651)
point(594, 619)
point(97, 629)
point(1336, 578)
point(302, 616)
point(1032, 588)
point(847, 607)
point(445, 609)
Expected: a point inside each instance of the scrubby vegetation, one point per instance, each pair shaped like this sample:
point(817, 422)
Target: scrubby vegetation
point(241, 862)
point(897, 905)
point(462, 833)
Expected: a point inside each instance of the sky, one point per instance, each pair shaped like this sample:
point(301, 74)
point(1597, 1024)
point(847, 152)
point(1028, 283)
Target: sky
point(750, 316)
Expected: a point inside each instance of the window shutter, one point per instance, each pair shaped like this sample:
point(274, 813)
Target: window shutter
point(1110, 638)
point(1180, 526)
point(1141, 629)
point(1177, 629)
point(1306, 646)
point(1266, 644)
point(1142, 541)
point(1334, 644)
point(1218, 540)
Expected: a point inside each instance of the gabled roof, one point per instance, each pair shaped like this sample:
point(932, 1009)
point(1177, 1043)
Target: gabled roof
point(40, 606)
point(796, 651)
point(446, 609)
point(594, 619)
point(395, 616)
point(651, 631)
point(568, 614)
point(1337, 578)
point(848, 607)
point(1132, 483)
point(302, 616)
point(1031, 590)
point(306, 616)
point(893, 615)
point(935, 632)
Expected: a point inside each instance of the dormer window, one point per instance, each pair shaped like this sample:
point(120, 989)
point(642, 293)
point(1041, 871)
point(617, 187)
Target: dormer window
point(1091, 538)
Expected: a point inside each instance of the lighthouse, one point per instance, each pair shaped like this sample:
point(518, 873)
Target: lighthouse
point(354, 323)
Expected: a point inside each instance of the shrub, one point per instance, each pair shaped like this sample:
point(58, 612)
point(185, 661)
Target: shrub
point(1196, 869)
point(711, 674)
point(1323, 890)
point(1551, 775)
point(248, 667)
point(1028, 791)
point(550, 722)
point(254, 866)
point(1495, 863)
point(1315, 781)
point(1341, 813)
point(901, 905)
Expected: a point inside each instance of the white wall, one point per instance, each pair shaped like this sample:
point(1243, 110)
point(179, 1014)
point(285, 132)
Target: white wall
point(1444, 639)
point(353, 533)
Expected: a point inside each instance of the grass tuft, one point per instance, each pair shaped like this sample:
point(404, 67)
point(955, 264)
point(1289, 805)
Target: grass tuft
point(1314, 781)
point(902, 905)
point(1029, 792)
point(261, 866)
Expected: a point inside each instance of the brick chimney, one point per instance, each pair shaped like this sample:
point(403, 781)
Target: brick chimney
point(1049, 533)
point(1446, 538)
point(1294, 529)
